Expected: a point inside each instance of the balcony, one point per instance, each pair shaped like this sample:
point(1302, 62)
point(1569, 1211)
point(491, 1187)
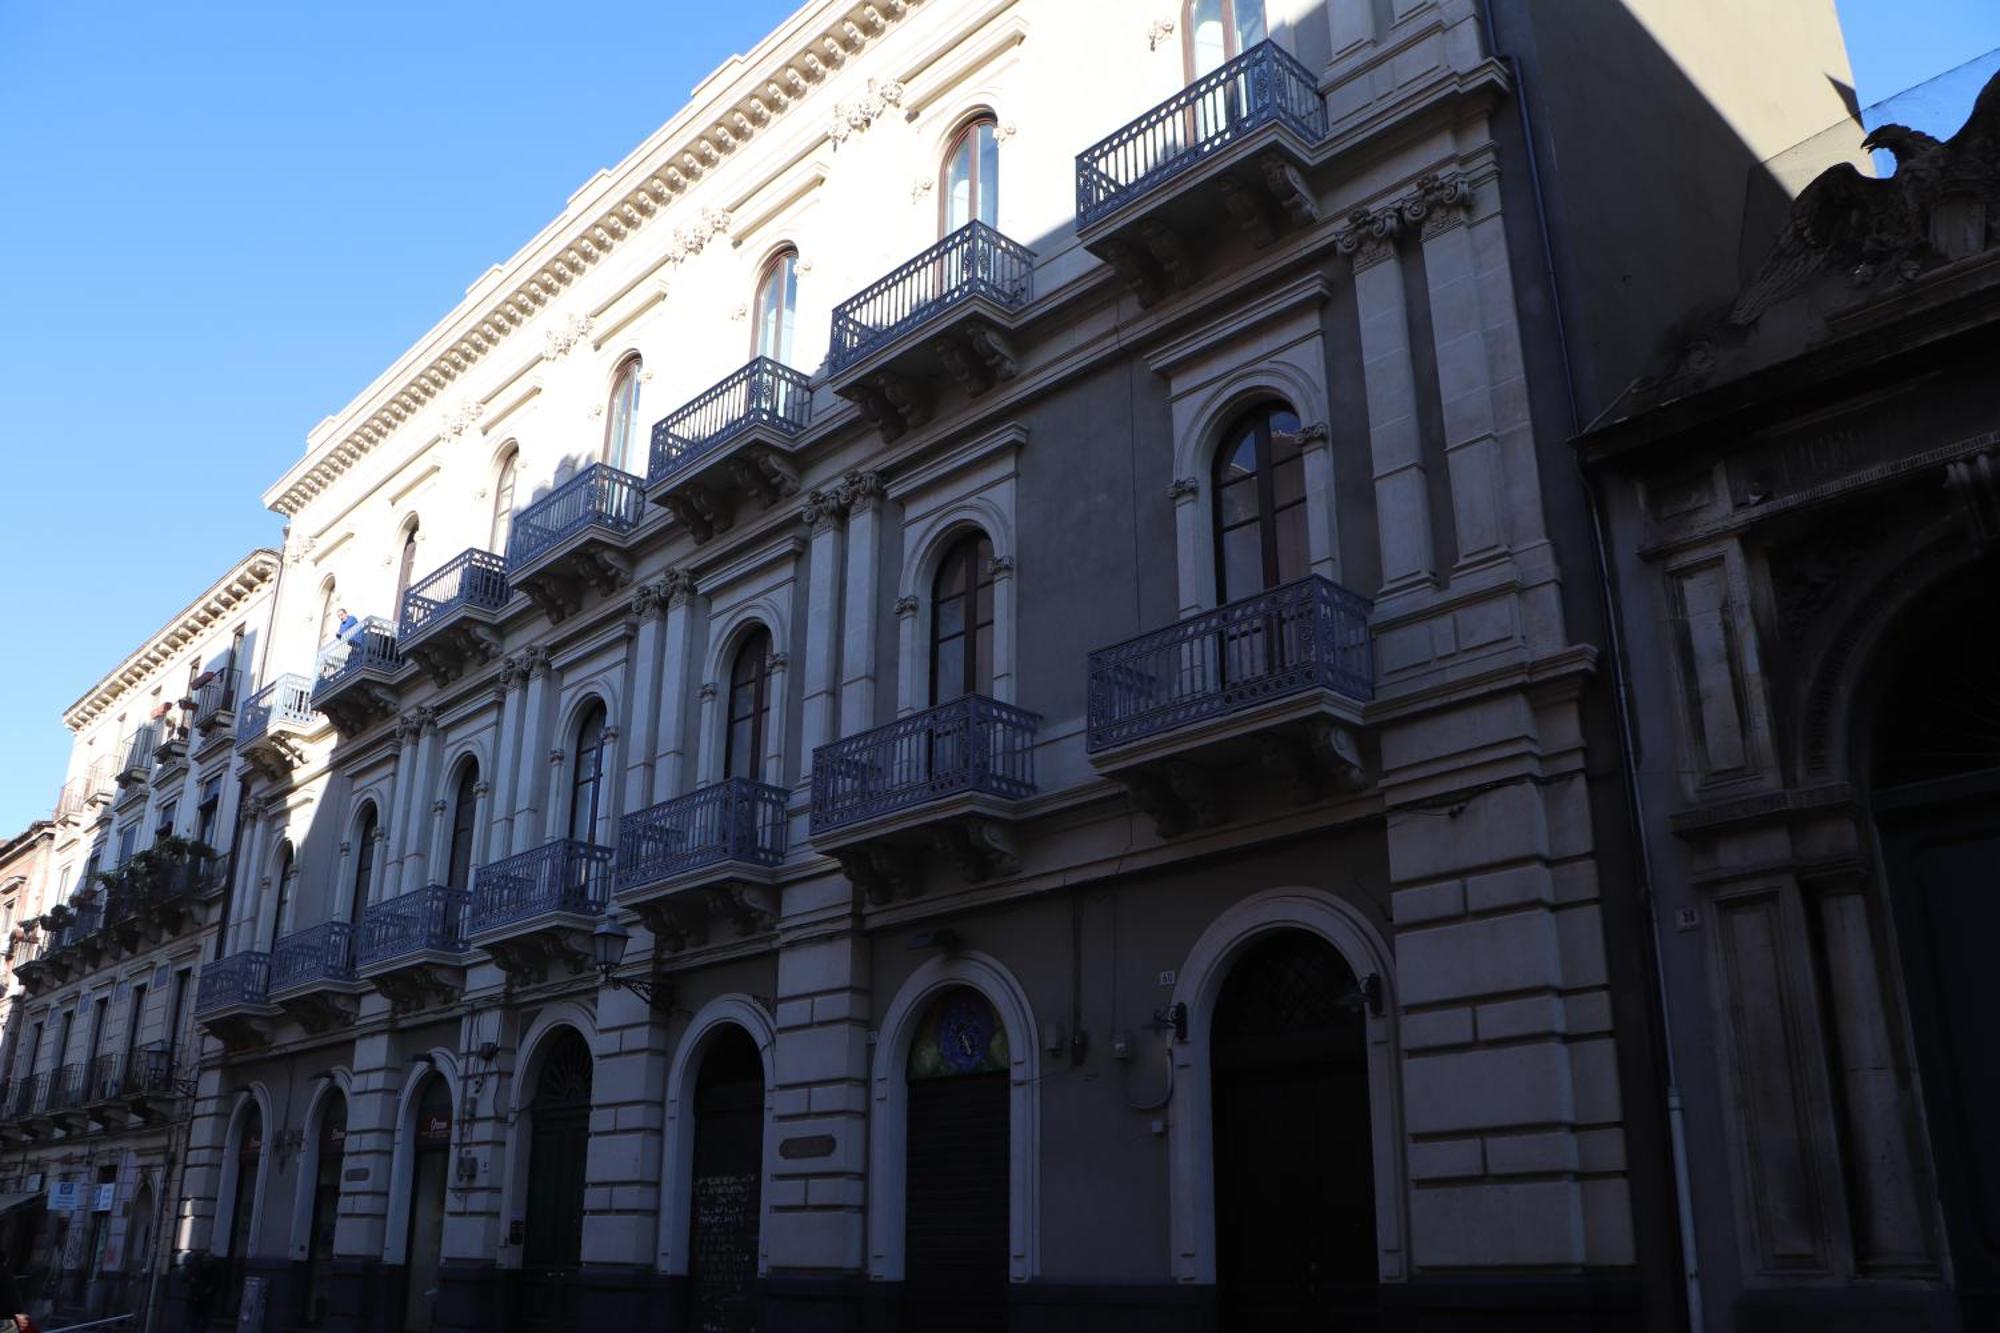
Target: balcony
point(153, 1080)
point(215, 702)
point(136, 757)
point(1280, 678)
point(354, 678)
point(105, 1088)
point(154, 895)
point(312, 975)
point(448, 615)
point(83, 793)
point(272, 724)
point(712, 854)
point(1229, 150)
point(413, 947)
point(232, 999)
point(69, 1093)
point(945, 314)
point(573, 539)
point(731, 443)
point(539, 907)
point(946, 779)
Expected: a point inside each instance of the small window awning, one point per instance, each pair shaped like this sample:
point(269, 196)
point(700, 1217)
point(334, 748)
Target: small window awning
point(9, 1203)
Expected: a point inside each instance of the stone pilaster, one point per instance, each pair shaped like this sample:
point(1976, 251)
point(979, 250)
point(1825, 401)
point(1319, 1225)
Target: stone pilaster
point(671, 757)
point(649, 608)
point(422, 818)
point(818, 1199)
point(509, 697)
point(822, 518)
point(628, 1109)
point(861, 494)
point(531, 761)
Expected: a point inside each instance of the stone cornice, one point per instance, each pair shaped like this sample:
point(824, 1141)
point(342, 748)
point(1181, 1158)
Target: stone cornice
point(730, 107)
point(228, 593)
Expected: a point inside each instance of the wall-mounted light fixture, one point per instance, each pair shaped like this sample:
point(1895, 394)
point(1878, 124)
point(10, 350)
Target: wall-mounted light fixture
point(608, 943)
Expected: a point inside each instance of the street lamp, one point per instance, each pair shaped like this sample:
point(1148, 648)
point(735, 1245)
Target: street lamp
point(608, 943)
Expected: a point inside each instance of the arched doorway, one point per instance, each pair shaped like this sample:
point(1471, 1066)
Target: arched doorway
point(558, 1139)
point(725, 1201)
point(1294, 1159)
point(243, 1203)
point(423, 1245)
point(139, 1246)
point(955, 1187)
point(1934, 772)
point(330, 1154)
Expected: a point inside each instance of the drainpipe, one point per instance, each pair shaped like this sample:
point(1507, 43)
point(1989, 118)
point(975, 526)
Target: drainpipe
point(1621, 685)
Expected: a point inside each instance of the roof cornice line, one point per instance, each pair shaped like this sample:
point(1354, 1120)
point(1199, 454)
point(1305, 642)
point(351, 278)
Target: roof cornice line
point(613, 207)
point(243, 580)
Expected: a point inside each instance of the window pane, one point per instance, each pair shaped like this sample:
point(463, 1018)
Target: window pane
point(982, 649)
point(1242, 562)
point(958, 185)
point(1291, 544)
point(1249, 24)
point(1288, 481)
point(948, 682)
point(1238, 503)
point(1205, 33)
point(989, 174)
point(777, 302)
point(950, 617)
point(1242, 461)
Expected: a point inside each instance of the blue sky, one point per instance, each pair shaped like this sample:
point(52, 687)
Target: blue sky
point(227, 217)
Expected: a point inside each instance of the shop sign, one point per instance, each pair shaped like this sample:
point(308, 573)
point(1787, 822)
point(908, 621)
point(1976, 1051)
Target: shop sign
point(65, 1196)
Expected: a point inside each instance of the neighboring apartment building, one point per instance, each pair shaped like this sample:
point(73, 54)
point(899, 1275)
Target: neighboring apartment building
point(1804, 508)
point(100, 1046)
point(976, 704)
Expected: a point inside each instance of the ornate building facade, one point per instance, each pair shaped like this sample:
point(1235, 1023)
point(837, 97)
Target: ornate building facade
point(974, 700)
point(105, 944)
point(1803, 513)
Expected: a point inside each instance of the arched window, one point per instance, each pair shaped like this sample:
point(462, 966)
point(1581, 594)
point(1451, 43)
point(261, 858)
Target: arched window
point(364, 862)
point(503, 501)
point(330, 1152)
point(558, 1138)
point(464, 827)
point(777, 305)
point(962, 620)
point(329, 618)
point(1260, 495)
point(956, 1187)
point(727, 1161)
point(749, 707)
point(969, 185)
point(243, 1203)
point(284, 878)
point(430, 1176)
point(621, 432)
point(407, 567)
point(1218, 31)
point(586, 775)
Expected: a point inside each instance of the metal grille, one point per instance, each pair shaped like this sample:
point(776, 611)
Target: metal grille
point(560, 876)
point(430, 920)
point(241, 978)
point(1263, 86)
point(318, 953)
point(472, 578)
point(599, 496)
point(763, 393)
point(972, 744)
point(370, 647)
point(1312, 634)
point(732, 820)
point(217, 695)
point(973, 261)
point(287, 699)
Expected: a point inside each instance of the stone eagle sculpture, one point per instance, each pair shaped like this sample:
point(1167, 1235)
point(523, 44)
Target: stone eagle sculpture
point(1942, 203)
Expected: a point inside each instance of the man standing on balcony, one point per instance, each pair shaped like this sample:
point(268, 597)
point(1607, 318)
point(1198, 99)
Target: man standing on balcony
point(348, 624)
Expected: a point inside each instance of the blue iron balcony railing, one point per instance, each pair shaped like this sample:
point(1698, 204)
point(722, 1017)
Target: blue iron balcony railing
point(1312, 634)
point(314, 955)
point(369, 646)
point(598, 497)
point(1263, 86)
point(241, 978)
point(29, 1096)
point(974, 261)
point(107, 1079)
point(135, 752)
point(972, 744)
point(732, 820)
point(153, 1072)
point(563, 876)
point(70, 1088)
point(215, 697)
point(288, 699)
point(472, 579)
point(763, 393)
point(429, 920)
